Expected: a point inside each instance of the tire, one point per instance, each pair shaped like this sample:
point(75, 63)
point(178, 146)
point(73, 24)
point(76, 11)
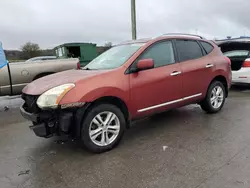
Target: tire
point(93, 123)
point(208, 104)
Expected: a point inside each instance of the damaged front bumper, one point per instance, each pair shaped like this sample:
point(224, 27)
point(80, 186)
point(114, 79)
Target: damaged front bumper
point(49, 123)
point(66, 120)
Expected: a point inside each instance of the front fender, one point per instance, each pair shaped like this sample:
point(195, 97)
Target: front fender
point(90, 96)
point(105, 92)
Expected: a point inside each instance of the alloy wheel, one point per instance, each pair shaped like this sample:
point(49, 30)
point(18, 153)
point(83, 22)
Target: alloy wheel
point(217, 97)
point(104, 128)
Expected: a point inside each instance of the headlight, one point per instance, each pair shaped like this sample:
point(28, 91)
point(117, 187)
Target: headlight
point(52, 97)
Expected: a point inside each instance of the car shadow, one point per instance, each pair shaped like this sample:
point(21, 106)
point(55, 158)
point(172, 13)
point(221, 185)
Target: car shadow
point(240, 87)
point(161, 123)
point(142, 128)
point(162, 126)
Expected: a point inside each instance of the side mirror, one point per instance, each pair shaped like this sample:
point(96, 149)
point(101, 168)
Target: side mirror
point(145, 64)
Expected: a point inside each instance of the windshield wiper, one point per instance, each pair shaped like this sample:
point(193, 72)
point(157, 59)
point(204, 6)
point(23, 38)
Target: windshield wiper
point(89, 69)
point(86, 68)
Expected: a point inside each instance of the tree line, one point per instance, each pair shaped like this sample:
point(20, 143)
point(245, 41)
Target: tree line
point(29, 50)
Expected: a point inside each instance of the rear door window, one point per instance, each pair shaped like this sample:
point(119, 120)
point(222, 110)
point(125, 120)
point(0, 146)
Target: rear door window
point(188, 50)
point(208, 47)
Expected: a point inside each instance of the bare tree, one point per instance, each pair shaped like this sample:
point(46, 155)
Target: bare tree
point(30, 50)
point(108, 44)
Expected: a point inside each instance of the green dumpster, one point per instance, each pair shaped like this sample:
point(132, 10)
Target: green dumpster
point(86, 52)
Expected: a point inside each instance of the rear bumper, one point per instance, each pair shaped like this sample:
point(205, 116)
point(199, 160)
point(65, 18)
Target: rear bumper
point(241, 81)
point(241, 76)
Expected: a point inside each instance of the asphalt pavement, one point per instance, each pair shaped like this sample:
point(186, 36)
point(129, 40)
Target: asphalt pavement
point(182, 148)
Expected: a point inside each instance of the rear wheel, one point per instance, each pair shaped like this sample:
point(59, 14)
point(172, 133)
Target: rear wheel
point(215, 98)
point(103, 128)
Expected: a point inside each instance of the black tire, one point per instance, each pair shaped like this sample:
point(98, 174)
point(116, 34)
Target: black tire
point(86, 123)
point(206, 104)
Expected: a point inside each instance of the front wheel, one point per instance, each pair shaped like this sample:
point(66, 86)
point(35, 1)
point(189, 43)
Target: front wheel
point(103, 128)
point(215, 98)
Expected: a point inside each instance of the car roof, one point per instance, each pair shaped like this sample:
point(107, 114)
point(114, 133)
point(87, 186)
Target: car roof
point(165, 36)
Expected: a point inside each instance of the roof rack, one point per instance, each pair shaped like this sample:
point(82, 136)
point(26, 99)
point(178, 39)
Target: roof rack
point(193, 35)
point(137, 40)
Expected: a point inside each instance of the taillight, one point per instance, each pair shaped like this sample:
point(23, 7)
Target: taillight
point(78, 65)
point(228, 60)
point(246, 63)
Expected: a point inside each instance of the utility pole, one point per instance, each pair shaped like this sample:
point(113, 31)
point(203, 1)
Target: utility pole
point(133, 19)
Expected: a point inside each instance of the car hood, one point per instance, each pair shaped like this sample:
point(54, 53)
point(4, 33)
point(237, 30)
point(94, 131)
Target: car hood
point(43, 84)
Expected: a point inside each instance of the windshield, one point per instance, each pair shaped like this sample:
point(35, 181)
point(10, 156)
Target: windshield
point(114, 57)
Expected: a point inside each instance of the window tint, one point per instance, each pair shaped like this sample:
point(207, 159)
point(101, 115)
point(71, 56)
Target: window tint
point(208, 47)
point(162, 53)
point(188, 49)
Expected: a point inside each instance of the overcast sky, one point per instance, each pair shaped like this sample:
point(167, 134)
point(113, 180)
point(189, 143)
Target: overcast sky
point(52, 22)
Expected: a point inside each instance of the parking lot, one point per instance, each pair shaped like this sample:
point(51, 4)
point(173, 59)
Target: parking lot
point(180, 148)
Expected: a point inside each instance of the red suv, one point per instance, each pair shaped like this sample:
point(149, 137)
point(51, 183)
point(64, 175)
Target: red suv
point(131, 80)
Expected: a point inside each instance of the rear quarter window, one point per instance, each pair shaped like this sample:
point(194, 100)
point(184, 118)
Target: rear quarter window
point(207, 47)
point(188, 49)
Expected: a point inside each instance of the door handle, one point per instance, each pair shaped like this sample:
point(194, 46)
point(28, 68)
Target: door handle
point(175, 73)
point(209, 65)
